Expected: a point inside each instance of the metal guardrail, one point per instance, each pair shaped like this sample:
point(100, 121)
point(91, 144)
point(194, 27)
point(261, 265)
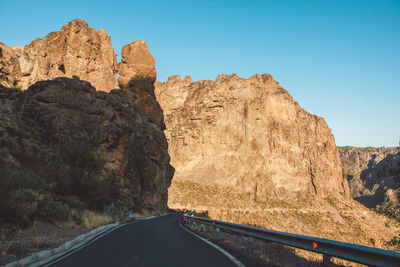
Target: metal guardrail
point(329, 248)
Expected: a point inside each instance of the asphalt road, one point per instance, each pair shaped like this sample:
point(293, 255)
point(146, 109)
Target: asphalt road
point(154, 242)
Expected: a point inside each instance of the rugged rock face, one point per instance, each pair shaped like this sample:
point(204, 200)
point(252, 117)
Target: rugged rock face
point(373, 173)
point(75, 50)
point(124, 125)
point(137, 63)
point(248, 134)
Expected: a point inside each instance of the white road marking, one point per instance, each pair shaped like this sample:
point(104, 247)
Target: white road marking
point(229, 256)
point(59, 256)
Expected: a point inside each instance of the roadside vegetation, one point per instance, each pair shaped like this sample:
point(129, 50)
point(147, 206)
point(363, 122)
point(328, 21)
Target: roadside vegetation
point(62, 191)
point(69, 192)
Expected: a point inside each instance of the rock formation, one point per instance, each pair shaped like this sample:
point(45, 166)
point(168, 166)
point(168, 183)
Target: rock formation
point(36, 122)
point(126, 126)
point(373, 173)
point(137, 63)
point(248, 134)
point(76, 50)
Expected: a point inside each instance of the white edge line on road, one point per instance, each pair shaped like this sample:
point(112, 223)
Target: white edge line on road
point(227, 254)
point(60, 256)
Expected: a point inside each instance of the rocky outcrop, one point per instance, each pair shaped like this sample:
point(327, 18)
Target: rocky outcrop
point(76, 50)
point(125, 126)
point(373, 173)
point(10, 71)
point(248, 134)
point(137, 63)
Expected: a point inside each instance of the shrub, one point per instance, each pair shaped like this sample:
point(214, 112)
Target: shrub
point(73, 179)
point(92, 219)
point(75, 176)
point(18, 249)
point(25, 222)
point(395, 242)
point(53, 210)
point(73, 202)
point(115, 211)
point(19, 192)
point(82, 175)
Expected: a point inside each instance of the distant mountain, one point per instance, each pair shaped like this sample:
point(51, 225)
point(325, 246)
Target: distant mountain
point(373, 174)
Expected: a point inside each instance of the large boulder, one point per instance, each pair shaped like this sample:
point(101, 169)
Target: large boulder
point(137, 64)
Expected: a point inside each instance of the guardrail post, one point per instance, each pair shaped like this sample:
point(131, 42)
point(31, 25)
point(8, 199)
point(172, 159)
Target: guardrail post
point(326, 260)
point(202, 227)
point(328, 248)
point(250, 241)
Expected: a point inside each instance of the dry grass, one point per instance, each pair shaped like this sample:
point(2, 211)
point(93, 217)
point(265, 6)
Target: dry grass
point(145, 214)
point(88, 219)
point(40, 236)
point(91, 219)
point(335, 217)
point(16, 245)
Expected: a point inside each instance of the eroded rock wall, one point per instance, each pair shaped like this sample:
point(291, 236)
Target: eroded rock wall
point(125, 125)
point(35, 123)
point(248, 134)
point(76, 50)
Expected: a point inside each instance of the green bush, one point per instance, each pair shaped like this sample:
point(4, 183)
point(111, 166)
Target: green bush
point(395, 242)
point(54, 210)
point(19, 192)
point(115, 211)
point(73, 202)
point(80, 175)
point(75, 178)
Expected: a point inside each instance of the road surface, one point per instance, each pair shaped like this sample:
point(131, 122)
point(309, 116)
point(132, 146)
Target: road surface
point(154, 242)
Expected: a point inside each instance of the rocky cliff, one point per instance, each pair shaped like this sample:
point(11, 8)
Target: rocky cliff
point(373, 173)
point(124, 126)
point(248, 134)
point(34, 124)
point(76, 50)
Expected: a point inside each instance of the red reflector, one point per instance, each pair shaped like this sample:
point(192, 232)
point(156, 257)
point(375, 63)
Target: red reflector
point(213, 222)
point(315, 245)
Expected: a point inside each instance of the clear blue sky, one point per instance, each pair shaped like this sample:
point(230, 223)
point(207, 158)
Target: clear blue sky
point(338, 59)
